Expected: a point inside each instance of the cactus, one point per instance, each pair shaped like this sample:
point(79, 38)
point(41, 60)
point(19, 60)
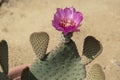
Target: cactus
point(4, 60)
point(63, 62)
point(14, 73)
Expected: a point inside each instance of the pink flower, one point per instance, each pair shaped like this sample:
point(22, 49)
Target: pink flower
point(67, 20)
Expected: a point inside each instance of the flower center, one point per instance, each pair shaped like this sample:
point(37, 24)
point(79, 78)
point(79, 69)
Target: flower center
point(66, 23)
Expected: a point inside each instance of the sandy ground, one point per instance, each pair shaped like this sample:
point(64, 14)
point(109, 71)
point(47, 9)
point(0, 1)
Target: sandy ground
point(19, 18)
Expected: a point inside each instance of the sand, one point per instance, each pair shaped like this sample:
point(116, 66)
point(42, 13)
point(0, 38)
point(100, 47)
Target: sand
point(20, 18)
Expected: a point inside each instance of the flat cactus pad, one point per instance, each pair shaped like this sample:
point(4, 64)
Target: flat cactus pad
point(39, 42)
point(4, 60)
point(63, 63)
point(95, 73)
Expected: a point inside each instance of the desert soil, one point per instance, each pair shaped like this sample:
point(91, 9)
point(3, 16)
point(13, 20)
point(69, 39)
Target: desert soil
point(20, 18)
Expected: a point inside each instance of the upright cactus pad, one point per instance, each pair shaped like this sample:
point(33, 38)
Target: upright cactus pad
point(3, 76)
point(39, 43)
point(95, 73)
point(64, 62)
point(91, 49)
point(25, 73)
point(4, 60)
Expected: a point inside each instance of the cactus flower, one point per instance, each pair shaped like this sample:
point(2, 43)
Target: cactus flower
point(67, 20)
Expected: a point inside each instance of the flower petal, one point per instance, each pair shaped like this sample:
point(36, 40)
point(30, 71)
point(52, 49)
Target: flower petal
point(60, 13)
point(78, 17)
point(57, 18)
point(56, 25)
point(69, 13)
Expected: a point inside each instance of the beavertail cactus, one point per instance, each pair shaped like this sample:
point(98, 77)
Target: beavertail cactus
point(63, 62)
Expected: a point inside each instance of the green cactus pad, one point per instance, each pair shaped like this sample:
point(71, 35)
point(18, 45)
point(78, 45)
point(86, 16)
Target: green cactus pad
point(4, 60)
point(25, 73)
point(4, 56)
point(96, 73)
point(63, 63)
point(91, 49)
point(39, 41)
point(3, 76)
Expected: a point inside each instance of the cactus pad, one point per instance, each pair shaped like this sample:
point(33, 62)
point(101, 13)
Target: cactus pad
point(3, 76)
point(4, 60)
point(4, 56)
point(91, 49)
point(96, 73)
point(61, 64)
point(39, 41)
